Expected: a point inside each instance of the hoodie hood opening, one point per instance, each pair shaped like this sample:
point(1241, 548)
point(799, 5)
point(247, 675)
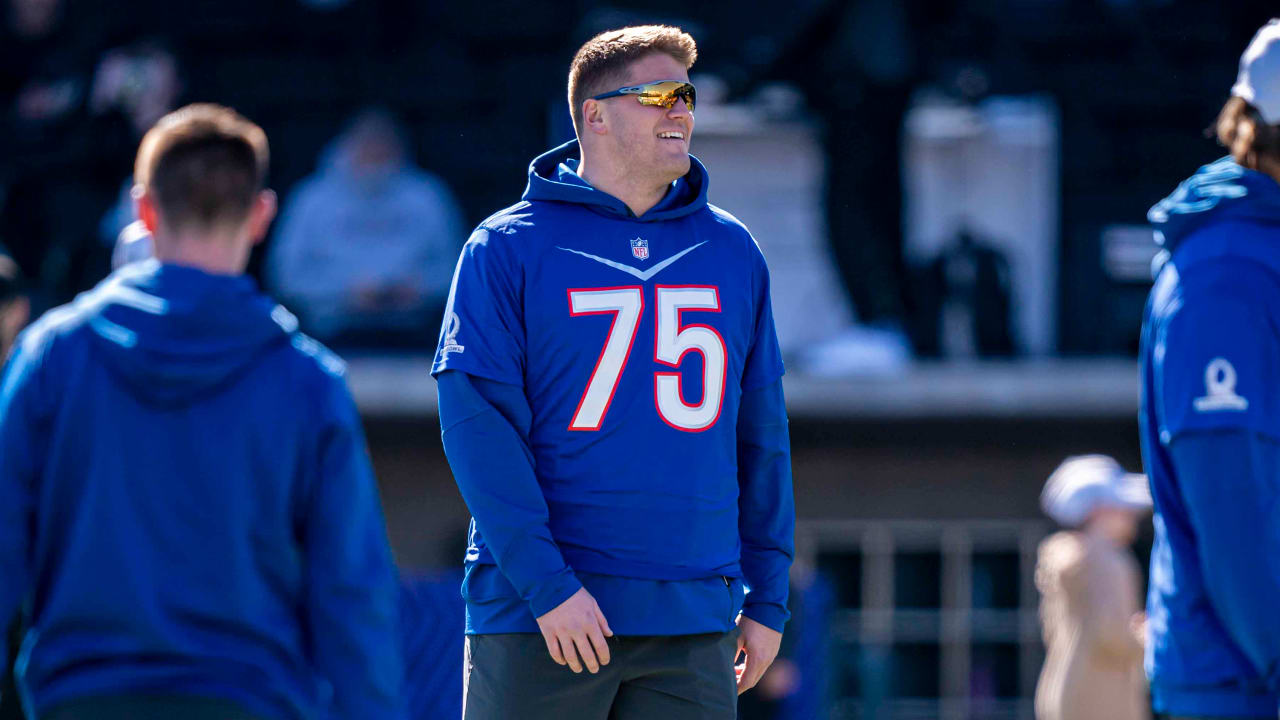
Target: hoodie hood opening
point(553, 177)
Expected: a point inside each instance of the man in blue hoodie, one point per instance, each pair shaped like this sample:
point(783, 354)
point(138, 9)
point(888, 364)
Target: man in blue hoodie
point(611, 405)
point(1210, 417)
point(186, 502)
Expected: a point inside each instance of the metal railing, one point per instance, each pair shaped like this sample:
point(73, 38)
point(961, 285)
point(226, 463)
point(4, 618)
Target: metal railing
point(882, 650)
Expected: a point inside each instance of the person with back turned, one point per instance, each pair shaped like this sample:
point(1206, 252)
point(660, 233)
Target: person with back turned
point(187, 508)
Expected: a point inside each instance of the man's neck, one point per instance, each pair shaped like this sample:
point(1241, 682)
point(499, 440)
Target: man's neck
point(638, 193)
point(214, 254)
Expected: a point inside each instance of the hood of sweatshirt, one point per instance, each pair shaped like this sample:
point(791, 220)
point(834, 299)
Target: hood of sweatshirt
point(1218, 192)
point(553, 176)
point(174, 333)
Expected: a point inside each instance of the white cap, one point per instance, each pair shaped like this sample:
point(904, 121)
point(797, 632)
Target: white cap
point(1084, 483)
point(1259, 79)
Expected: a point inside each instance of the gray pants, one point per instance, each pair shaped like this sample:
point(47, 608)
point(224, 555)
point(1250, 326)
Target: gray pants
point(681, 677)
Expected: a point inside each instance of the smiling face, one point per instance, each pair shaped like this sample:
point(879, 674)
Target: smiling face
point(648, 140)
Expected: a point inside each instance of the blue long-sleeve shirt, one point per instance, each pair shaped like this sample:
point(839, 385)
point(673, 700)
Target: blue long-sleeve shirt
point(1210, 424)
point(628, 368)
point(187, 506)
point(1219, 469)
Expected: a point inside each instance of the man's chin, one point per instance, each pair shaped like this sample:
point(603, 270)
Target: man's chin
point(679, 166)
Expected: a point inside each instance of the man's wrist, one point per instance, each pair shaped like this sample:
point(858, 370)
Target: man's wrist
point(549, 595)
point(771, 615)
point(534, 565)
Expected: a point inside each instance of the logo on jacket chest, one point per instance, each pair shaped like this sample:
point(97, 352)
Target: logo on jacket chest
point(640, 248)
point(642, 275)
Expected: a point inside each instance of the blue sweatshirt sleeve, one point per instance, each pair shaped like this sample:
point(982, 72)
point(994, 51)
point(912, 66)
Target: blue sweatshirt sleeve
point(483, 331)
point(19, 410)
point(352, 596)
point(766, 506)
point(1214, 358)
point(485, 428)
point(1230, 481)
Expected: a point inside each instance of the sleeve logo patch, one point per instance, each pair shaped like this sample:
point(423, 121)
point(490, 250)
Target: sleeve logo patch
point(1220, 389)
point(451, 335)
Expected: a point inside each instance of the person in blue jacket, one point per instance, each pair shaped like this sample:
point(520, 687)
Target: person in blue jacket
point(611, 405)
point(1210, 417)
point(187, 508)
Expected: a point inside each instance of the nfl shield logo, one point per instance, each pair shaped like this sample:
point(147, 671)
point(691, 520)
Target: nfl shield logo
point(640, 248)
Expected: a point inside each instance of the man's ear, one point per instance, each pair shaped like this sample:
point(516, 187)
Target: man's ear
point(145, 206)
point(593, 118)
point(261, 215)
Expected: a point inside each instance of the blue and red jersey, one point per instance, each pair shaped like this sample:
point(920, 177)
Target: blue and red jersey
point(633, 341)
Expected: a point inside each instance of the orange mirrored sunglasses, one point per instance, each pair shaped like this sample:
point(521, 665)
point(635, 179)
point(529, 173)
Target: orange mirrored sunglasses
point(663, 94)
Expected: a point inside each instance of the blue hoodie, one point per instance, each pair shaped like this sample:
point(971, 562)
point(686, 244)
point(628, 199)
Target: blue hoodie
point(1210, 422)
point(187, 506)
point(611, 406)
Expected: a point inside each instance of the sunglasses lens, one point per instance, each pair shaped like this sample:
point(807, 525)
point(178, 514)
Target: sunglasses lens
point(688, 94)
point(665, 94)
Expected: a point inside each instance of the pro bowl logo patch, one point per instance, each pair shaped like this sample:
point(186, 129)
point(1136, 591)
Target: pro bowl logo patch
point(640, 248)
point(451, 326)
point(1220, 389)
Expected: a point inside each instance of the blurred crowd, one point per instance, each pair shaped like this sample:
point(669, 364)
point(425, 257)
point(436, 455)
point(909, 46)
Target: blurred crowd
point(395, 125)
point(367, 241)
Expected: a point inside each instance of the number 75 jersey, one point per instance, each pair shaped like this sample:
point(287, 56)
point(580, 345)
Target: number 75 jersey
point(634, 342)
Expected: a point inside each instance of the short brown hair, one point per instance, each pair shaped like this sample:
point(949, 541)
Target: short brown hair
point(203, 164)
point(1243, 132)
point(602, 62)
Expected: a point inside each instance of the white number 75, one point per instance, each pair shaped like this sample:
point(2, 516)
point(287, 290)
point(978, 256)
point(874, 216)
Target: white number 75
point(671, 343)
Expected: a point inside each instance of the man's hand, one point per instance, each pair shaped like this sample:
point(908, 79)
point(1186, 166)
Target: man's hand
point(761, 646)
point(577, 629)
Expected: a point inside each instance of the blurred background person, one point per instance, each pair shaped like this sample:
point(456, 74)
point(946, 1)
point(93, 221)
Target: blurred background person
point(218, 551)
point(1210, 428)
point(367, 244)
point(76, 91)
point(1090, 589)
point(143, 82)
